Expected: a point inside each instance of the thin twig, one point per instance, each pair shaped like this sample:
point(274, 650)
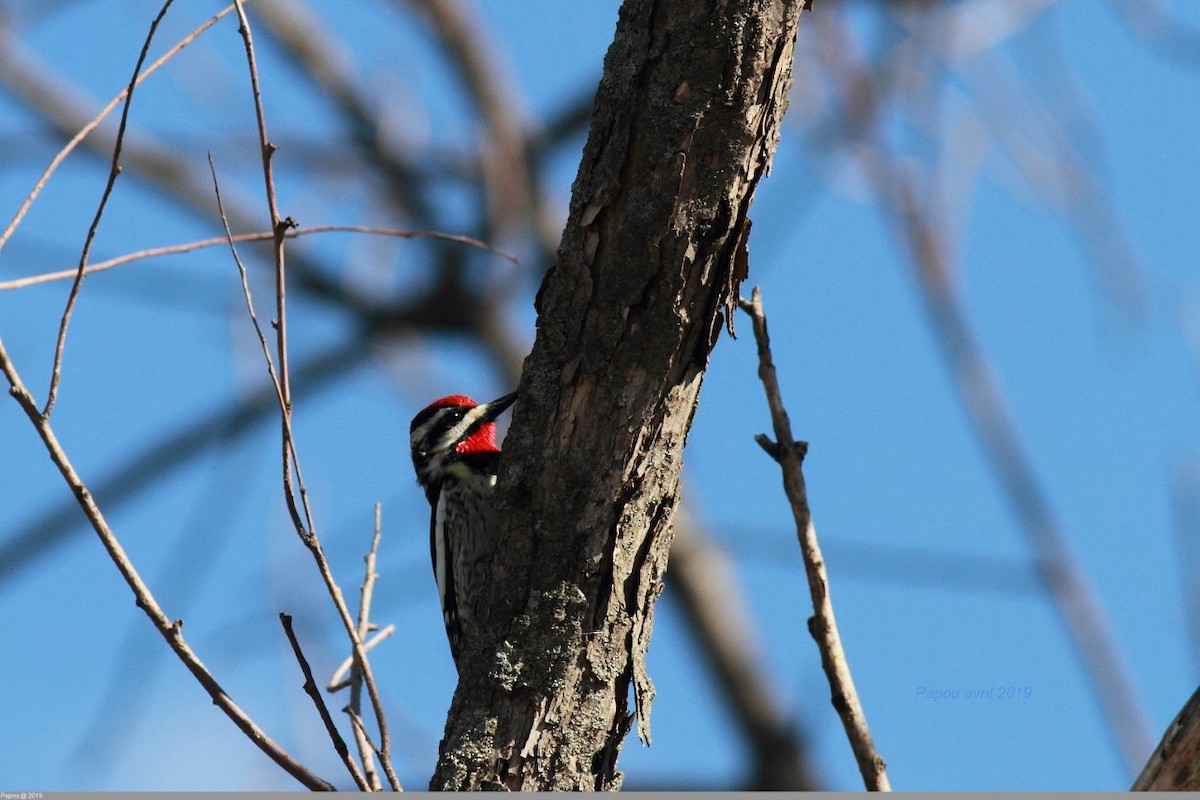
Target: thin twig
point(161, 168)
point(368, 585)
point(304, 526)
point(261, 236)
point(95, 123)
point(113, 172)
point(229, 238)
point(279, 227)
point(360, 728)
point(288, 439)
point(365, 748)
point(140, 472)
point(310, 688)
point(339, 680)
point(790, 456)
point(170, 630)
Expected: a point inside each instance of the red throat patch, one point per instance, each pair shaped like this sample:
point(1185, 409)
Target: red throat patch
point(481, 441)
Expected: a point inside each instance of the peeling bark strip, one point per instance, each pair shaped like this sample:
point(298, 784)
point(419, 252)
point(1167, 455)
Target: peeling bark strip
point(686, 120)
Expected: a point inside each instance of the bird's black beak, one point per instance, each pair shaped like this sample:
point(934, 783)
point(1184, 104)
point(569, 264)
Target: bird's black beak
point(498, 406)
point(486, 413)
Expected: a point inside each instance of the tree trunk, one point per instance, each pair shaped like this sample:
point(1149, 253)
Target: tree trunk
point(686, 120)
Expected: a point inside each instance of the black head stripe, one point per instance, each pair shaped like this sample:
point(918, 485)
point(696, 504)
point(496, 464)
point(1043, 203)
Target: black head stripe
point(449, 413)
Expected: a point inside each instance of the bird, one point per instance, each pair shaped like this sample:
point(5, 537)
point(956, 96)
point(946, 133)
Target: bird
point(455, 457)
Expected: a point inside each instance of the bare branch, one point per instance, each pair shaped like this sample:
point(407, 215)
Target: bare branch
point(368, 585)
point(279, 227)
point(160, 168)
point(172, 631)
point(790, 456)
point(261, 236)
point(310, 688)
point(95, 122)
point(338, 680)
point(1165, 32)
point(262, 339)
point(304, 527)
point(365, 748)
point(114, 171)
point(173, 452)
point(360, 730)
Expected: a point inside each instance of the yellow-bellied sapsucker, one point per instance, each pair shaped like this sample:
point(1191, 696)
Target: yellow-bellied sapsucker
point(455, 455)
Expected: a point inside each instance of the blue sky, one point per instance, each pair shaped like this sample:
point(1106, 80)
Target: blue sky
point(930, 573)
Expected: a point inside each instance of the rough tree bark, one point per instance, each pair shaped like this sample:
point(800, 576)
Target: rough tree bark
point(686, 119)
point(1174, 766)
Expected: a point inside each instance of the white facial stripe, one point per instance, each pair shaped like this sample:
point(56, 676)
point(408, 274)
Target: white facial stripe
point(465, 424)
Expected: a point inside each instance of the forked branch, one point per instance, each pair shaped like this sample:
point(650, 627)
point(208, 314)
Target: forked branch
point(789, 454)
